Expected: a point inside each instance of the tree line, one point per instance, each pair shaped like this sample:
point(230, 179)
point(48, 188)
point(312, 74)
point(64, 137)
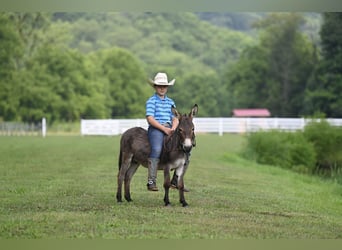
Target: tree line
point(67, 66)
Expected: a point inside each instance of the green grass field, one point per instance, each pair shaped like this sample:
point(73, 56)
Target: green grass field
point(64, 187)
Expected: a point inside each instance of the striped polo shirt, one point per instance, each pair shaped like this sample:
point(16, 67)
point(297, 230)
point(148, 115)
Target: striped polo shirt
point(160, 109)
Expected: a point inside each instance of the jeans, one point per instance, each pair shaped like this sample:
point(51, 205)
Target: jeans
point(156, 139)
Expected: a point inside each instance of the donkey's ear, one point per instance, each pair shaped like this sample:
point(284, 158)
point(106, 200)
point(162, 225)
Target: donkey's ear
point(194, 111)
point(175, 111)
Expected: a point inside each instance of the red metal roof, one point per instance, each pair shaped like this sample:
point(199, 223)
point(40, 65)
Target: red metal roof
point(251, 112)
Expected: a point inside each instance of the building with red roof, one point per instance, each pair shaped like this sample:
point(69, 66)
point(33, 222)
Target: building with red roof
point(251, 113)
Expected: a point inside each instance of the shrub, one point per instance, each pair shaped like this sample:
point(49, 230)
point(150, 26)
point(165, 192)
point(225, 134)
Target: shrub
point(302, 152)
point(266, 148)
point(285, 149)
point(327, 141)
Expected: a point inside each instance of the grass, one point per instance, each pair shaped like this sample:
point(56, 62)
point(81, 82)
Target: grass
point(64, 187)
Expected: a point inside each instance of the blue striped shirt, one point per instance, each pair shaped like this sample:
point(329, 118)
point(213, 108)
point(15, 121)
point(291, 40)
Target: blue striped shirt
point(160, 109)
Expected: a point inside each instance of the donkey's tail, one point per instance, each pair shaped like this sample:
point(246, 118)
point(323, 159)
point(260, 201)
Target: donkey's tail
point(120, 159)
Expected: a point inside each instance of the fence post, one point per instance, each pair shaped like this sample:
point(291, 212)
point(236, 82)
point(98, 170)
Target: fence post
point(220, 127)
point(276, 124)
point(303, 124)
point(82, 125)
point(44, 127)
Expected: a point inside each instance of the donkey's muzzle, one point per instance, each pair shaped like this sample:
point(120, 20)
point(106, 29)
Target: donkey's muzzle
point(187, 149)
point(187, 145)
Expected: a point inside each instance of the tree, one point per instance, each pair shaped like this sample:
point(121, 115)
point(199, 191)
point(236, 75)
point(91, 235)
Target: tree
point(30, 28)
point(20, 38)
point(198, 89)
point(274, 74)
point(324, 93)
point(246, 80)
point(126, 82)
point(11, 48)
point(60, 86)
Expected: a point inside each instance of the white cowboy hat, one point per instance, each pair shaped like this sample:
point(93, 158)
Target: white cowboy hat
point(161, 79)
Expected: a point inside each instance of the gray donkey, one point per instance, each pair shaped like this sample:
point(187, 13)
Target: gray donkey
point(135, 149)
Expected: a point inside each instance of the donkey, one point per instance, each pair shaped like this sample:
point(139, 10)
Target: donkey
point(135, 149)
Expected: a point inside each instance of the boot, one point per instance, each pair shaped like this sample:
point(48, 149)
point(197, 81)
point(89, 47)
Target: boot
point(152, 174)
point(174, 182)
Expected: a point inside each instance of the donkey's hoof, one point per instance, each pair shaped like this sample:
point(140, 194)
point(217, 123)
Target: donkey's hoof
point(185, 204)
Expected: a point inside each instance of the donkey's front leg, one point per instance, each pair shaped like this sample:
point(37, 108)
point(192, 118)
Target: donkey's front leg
point(167, 184)
point(181, 191)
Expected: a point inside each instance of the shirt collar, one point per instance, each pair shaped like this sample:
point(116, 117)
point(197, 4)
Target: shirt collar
point(165, 97)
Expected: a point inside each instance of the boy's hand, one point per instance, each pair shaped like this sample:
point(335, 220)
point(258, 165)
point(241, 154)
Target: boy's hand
point(168, 131)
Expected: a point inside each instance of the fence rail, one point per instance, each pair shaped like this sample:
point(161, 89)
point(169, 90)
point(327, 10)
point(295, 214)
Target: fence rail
point(17, 128)
point(21, 128)
point(218, 125)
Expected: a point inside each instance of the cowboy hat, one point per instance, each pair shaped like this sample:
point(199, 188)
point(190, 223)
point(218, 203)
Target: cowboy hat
point(161, 79)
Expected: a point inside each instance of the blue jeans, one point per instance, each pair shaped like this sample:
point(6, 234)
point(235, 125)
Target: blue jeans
point(156, 139)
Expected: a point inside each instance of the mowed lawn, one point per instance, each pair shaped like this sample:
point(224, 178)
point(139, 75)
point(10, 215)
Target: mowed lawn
point(64, 187)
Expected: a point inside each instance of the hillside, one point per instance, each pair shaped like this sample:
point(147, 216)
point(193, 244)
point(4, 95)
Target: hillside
point(185, 41)
point(182, 42)
point(69, 65)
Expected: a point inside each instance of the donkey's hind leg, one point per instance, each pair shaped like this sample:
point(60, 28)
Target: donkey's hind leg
point(128, 177)
point(124, 165)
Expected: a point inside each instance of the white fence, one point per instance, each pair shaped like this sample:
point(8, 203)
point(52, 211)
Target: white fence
point(203, 125)
point(20, 128)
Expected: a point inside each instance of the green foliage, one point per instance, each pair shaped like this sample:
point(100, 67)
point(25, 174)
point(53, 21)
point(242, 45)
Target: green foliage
point(302, 153)
point(30, 29)
point(283, 149)
point(11, 50)
point(48, 79)
point(98, 79)
point(196, 89)
point(68, 66)
point(327, 141)
point(11, 46)
point(63, 78)
point(274, 73)
point(316, 150)
point(127, 84)
point(235, 20)
point(324, 92)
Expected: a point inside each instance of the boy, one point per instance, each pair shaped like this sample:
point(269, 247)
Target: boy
point(161, 122)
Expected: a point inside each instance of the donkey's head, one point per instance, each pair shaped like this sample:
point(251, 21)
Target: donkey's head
point(186, 128)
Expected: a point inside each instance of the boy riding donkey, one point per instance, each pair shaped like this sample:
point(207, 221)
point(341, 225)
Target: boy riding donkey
point(161, 122)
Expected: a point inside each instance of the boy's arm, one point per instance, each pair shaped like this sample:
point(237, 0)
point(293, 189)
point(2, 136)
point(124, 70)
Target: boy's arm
point(175, 123)
point(153, 122)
